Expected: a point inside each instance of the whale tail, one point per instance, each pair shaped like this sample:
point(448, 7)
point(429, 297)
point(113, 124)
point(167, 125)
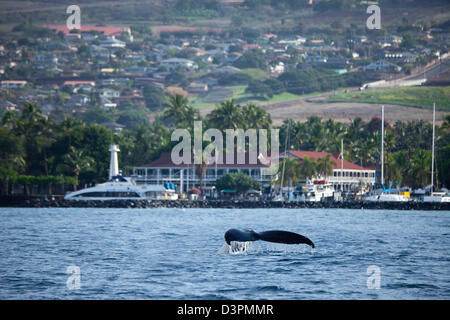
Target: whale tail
point(284, 237)
point(270, 236)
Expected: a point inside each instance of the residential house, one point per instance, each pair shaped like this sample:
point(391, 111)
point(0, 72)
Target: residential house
point(77, 101)
point(197, 88)
point(388, 40)
point(295, 41)
point(80, 85)
point(174, 63)
point(112, 43)
point(401, 57)
point(109, 93)
point(315, 59)
point(107, 103)
point(278, 68)
point(13, 84)
point(382, 66)
point(44, 61)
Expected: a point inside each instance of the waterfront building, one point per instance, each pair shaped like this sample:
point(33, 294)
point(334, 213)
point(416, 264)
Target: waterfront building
point(345, 174)
point(185, 177)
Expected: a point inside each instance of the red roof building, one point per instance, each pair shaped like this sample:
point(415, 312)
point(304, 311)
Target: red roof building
point(164, 169)
point(345, 173)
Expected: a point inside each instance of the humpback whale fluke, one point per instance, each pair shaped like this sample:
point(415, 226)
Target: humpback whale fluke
point(270, 236)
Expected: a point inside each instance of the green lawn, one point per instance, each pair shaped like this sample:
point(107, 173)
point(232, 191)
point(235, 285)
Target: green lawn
point(256, 74)
point(409, 96)
point(243, 98)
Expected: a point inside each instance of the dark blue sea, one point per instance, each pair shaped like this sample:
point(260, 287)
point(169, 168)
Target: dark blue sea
point(58, 253)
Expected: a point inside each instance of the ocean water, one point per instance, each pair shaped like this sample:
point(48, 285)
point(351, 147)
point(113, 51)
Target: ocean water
point(60, 253)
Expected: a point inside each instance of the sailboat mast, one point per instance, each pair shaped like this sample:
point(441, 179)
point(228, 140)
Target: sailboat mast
point(432, 148)
point(284, 158)
point(382, 145)
point(342, 164)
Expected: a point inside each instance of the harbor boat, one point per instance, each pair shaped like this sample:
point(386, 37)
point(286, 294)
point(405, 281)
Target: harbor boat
point(437, 197)
point(120, 187)
point(387, 197)
point(318, 190)
point(123, 188)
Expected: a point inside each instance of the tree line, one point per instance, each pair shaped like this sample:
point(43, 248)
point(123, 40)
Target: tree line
point(36, 150)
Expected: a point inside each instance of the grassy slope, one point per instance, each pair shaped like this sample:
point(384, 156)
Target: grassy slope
point(241, 97)
point(408, 96)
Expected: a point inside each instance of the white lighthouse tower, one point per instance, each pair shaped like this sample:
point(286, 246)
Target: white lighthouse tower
point(114, 163)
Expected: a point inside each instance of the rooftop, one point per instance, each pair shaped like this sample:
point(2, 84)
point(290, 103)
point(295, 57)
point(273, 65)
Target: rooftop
point(335, 157)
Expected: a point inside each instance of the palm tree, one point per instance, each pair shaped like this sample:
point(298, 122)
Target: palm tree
point(178, 110)
point(28, 125)
point(420, 168)
point(308, 168)
point(292, 170)
point(325, 165)
point(77, 161)
point(45, 139)
point(256, 117)
point(69, 126)
point(446, 124)
point(228, 115)
point(200, 170)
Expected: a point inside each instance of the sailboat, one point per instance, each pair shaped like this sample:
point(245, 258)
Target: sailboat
point(435, 196)
point(384, 195)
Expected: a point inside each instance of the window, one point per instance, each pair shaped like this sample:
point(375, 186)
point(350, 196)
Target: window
point(256, 173)
point(211, 173)
point(176, 172)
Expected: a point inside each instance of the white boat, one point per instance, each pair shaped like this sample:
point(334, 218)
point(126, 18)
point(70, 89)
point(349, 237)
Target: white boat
point(319, 190)
point(387, 197)
point(437, 197)
point(123, 188)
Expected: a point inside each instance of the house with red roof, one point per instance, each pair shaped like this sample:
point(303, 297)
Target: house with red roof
point(77, 85)
point(345, 175)
point(164, 170)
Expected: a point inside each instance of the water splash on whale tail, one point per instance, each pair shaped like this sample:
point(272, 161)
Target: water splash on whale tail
point(236, 247)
